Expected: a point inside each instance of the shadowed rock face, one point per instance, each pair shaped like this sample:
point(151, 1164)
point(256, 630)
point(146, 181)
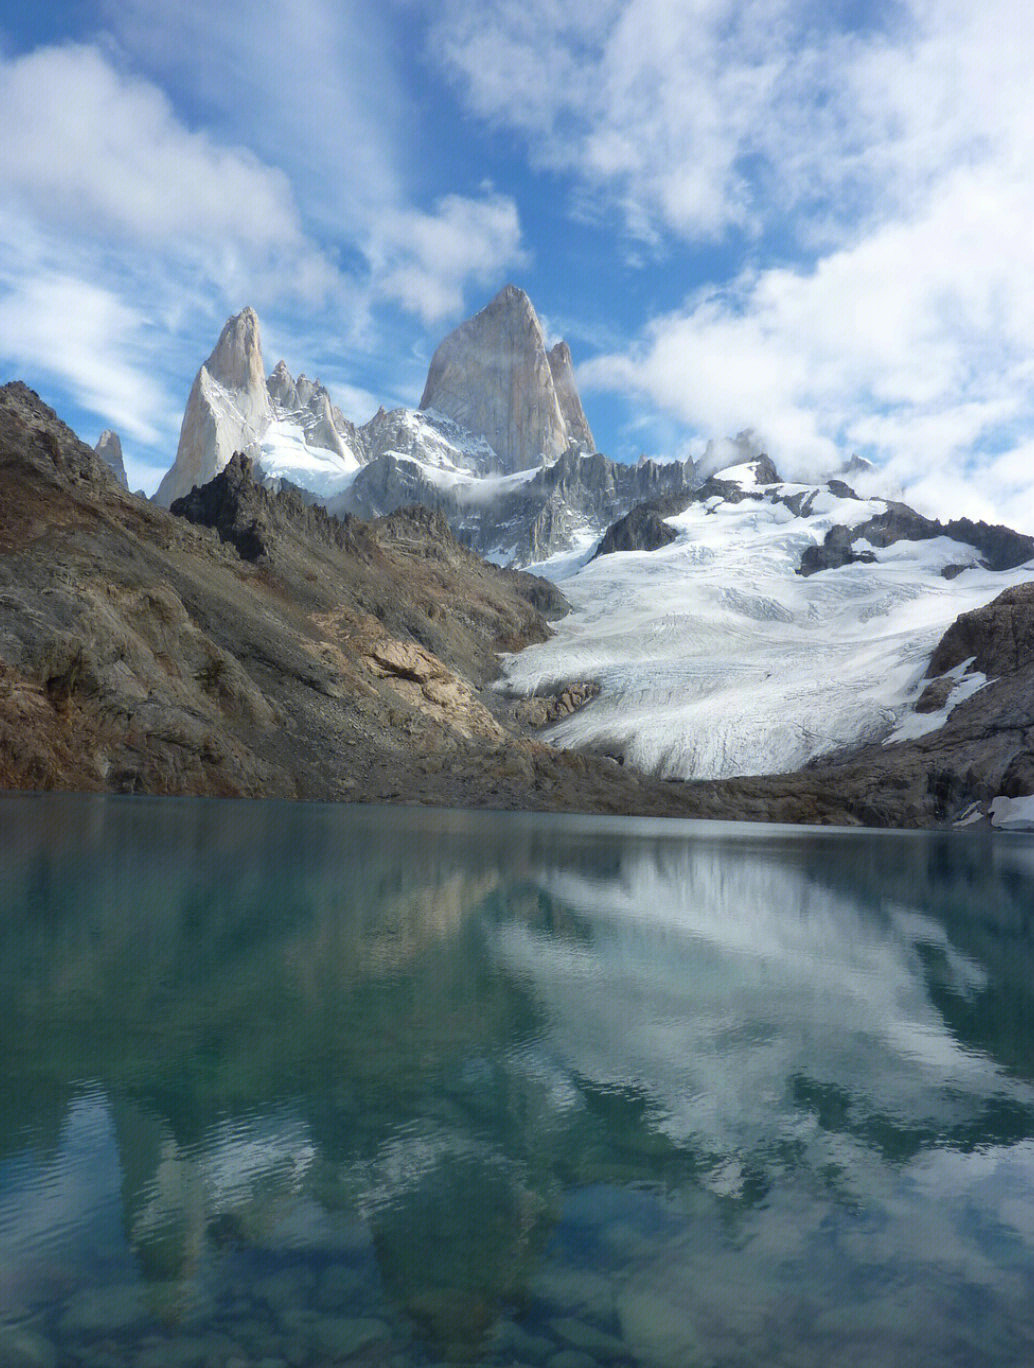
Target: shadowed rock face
point(999, 636)
point(1000, 547)
point(228, 410)
point(644, 528)
point(493, 376)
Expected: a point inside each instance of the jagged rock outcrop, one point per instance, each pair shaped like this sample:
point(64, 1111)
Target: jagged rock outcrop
point(109, 449)
point(520, 523)
point(1000, 547)
point(644, 528)
point(540, 710)
point(492, 375)
point(282, 387)
point(308, 403)
point(999, 637)
point(228, 410)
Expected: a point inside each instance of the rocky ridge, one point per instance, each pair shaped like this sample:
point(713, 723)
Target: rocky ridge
point(500, 446)
point(254, 645)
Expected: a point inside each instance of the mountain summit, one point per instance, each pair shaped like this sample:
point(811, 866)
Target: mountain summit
point(228, 410)
point(494, 377)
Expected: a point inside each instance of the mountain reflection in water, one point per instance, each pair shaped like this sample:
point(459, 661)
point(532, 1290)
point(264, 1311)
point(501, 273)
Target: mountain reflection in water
point(363, 1085)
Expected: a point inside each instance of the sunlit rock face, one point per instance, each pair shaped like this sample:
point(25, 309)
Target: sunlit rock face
point(289, 427)
point(109, 449)
point(493, 376)
point(229, 408)
point(578, 431)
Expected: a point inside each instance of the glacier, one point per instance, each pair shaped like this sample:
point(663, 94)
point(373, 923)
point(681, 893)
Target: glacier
point(716, 658)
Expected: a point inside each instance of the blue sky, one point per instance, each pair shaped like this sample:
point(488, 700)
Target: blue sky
point(812, 219)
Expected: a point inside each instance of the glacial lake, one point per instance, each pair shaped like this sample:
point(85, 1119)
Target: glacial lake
point(300, 1085)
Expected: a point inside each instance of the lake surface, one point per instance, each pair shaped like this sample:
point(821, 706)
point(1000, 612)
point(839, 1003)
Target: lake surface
point(303, 1085)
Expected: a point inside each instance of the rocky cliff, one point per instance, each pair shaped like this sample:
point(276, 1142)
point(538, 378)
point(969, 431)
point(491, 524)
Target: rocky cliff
point(109, 449)
point(492, 375)
point(228, 409)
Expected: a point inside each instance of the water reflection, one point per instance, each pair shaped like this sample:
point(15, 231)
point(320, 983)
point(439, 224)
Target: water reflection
point(332, 1085)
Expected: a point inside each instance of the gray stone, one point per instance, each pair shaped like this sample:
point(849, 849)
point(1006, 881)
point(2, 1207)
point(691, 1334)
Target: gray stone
point(102, 1310)
point(518, 1343)
point(656, 1327)
point(572, 1358)
point(575, 1292)
point(342, 1336)
point(176, 1353)
point(589, 1338)
point(285, 1290)
point(492, 375)
point(339, 1286)
point(24, 1348)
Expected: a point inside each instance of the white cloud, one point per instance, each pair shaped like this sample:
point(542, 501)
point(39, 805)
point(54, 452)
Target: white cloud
point(915, 344)
point(85, 338)
point(425, 261)
point(308, 84)
point(127, 235)
point(313, 86)
point(876, 173)
point(101, 154)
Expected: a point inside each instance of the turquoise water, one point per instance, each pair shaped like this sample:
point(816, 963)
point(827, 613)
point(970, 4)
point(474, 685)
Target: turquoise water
point(306, 1085)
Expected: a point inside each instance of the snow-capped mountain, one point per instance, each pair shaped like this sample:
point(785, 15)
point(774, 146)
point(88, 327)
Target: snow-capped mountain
point(289, 426)
point(500, 444)
point(727, 622)
point(766, 624)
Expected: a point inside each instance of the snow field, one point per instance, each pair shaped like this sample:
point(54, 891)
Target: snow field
point(715, 658)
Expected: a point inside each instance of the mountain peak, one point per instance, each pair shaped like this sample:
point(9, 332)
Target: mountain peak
point(512, 297)
point(109, 449)
point(492, 375)
point(236, 359)
point(228, 410)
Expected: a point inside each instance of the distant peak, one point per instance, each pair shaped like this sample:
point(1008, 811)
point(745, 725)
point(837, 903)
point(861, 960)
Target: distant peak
point(513, 299)
point(109, 449)
point(236, 360)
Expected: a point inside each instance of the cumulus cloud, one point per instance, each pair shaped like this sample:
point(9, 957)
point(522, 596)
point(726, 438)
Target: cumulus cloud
point(101, 153)
point(914, 345)
point(313, 86)
point(872, 166)
point(426, 260)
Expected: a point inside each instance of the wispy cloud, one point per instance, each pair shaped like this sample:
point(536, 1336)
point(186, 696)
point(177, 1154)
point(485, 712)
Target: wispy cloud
point(188, 161)
point(425, 261)
point(875, 174)
point(313, 86)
